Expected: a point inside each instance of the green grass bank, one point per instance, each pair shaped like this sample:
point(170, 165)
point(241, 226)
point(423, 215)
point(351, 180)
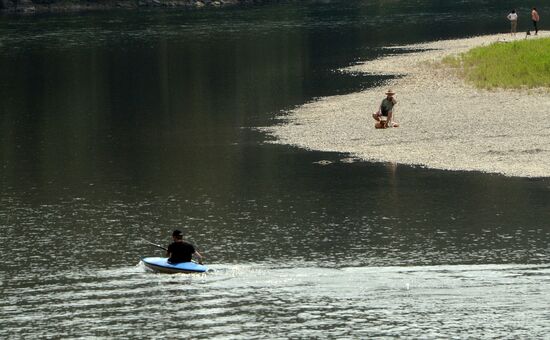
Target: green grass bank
point(516, 64)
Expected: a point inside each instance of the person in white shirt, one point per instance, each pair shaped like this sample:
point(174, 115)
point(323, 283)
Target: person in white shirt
point(513, 17)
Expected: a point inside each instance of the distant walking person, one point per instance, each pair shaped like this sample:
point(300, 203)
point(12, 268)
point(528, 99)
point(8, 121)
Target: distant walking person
point(513, 17)
point(535, 17)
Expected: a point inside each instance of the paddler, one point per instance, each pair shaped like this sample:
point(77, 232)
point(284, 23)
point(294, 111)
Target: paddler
point(384, 115)
point(180, 250)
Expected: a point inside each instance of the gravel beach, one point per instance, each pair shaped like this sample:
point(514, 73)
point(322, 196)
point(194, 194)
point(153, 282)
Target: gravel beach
point(445, 123)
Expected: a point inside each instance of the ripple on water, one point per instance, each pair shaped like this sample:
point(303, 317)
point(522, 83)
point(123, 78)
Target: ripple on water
point(259, 300)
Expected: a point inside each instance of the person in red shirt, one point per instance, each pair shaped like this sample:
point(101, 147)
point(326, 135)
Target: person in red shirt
point(535, 17)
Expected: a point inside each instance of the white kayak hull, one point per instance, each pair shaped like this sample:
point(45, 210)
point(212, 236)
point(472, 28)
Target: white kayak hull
point(161, 265)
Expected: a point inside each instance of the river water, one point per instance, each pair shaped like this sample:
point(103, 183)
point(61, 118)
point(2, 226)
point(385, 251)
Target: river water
point(122, 126)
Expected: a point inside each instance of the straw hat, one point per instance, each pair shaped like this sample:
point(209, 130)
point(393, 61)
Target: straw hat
point(390, 92)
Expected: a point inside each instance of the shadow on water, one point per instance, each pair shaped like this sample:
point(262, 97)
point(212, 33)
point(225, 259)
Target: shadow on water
point(120, 125)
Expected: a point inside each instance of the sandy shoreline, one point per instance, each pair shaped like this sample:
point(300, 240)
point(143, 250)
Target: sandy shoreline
point(445, 123)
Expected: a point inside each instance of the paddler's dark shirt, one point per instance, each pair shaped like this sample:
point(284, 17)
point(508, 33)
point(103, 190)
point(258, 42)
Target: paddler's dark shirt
point(180, 252)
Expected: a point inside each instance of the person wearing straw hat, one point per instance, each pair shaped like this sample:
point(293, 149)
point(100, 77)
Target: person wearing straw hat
point(384, 115)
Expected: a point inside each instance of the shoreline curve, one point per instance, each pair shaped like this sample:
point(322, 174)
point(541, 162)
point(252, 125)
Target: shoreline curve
point(445, 123)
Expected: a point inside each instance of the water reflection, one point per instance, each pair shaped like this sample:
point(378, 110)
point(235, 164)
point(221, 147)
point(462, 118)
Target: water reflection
point(115, 126)
point(286, 216)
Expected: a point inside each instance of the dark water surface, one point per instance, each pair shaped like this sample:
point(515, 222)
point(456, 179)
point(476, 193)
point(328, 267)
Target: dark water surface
point(121, 125)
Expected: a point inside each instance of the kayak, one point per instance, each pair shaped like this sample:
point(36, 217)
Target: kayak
point(161, 265)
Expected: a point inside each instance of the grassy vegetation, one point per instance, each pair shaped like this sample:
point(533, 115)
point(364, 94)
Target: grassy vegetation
point(518, 64)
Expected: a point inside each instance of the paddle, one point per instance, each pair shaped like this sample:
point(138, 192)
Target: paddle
point(154, 244)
